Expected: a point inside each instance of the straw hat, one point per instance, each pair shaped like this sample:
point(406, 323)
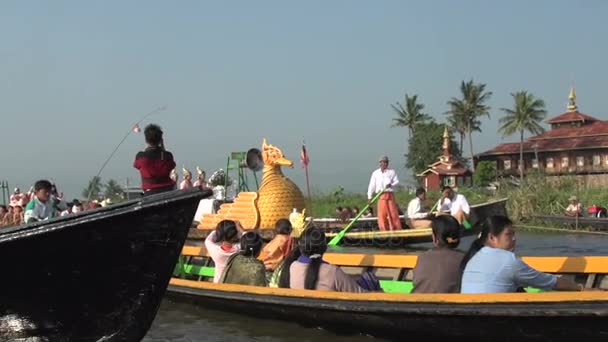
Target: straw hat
point(573, 198)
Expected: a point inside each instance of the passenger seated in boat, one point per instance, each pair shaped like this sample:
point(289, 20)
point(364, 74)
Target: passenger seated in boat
point(41, 206)
point(244, 268)
point(575, 208)
point(491, 266)
point(275, 251)
point(454, 204)
point(310, 272)
point(369, 212)
point(222, 243)
point(438, 270)
point(417, 215)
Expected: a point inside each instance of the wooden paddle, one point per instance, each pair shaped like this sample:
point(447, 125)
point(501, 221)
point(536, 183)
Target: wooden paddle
point(338, 238)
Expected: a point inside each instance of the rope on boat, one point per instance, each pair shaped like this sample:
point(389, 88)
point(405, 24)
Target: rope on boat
point(571, 231)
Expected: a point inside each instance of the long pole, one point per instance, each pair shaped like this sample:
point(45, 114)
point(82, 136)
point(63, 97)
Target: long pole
point(120, 143)
point(308, 190)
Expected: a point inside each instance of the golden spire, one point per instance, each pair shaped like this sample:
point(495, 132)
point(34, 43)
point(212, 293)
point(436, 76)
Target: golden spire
point(572, 100)
point(446, 141)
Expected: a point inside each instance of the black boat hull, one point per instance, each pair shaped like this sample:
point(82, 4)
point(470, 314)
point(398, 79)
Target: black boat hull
point(528, 321)
point(97, 275)
point(594, 223)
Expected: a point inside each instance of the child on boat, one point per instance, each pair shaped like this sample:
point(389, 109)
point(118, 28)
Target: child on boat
point(275, 251)
point(155, 163)
point(41, 206)
point(490, 265)
point(244, 268)
point(438, 270)
point(222, 243)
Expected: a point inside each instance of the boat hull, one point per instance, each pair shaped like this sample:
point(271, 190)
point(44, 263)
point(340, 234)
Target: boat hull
point(523, 320)
point(574, 223)
point(96, 275)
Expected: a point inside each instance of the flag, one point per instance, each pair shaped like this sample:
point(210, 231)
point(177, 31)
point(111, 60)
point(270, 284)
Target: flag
point(136, 128)
point(304, 160)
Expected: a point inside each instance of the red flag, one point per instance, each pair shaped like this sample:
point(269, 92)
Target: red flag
point(304, 160)
point(136, 128)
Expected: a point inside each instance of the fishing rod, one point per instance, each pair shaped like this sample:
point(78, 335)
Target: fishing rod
point(159, 109)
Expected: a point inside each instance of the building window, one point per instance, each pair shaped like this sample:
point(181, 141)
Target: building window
point(507, 164)
point(580, 161)
point(606, 159)
point(535, 163)
point(549, 163)
point(596, 160)
point(460, 181)
point(449, 181)
point(565, 162)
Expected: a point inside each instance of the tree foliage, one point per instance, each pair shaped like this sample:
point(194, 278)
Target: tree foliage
point(93, 189)
point(426, 145)
point(485, 173)
point(114, 191)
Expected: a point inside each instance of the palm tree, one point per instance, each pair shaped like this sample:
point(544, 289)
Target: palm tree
point(410, 115)
point(93, 189)
point(114, 191)
point(526, 115)
point(469, 109)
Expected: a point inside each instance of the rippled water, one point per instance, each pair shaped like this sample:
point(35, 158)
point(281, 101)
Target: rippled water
point(184, 322)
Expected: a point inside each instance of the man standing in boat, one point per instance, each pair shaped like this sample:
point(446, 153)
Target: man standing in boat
point(155, 163)
point(385, 179)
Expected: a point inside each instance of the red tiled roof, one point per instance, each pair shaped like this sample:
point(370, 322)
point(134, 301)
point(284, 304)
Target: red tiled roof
point(571, 116)
point(594, 128)
point(442, 169)
point(570, 143)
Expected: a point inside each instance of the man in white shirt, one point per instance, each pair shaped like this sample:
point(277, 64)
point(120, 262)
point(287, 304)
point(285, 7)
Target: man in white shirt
point(575, 208)
point(417, 215)
point(385, 178)
point(454, 204)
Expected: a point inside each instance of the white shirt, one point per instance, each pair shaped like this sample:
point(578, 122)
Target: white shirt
point(380, 180)
point(460, 202)
point(414, 209)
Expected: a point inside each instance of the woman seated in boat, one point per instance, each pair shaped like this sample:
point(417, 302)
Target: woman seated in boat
point(310, 272)
point(244, 268)
point(275, 251)
point(491, 266)
point(574, 208)
point(222, 243)
point(438, 269)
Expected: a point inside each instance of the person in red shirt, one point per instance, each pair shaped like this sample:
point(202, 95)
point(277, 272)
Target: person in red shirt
point(155, 163)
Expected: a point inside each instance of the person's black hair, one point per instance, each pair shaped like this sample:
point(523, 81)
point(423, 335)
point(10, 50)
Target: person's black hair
point(251, 244)
point(491, 225)
point(42, 184)
point(446, 230)
point(285, 276)
point(339, 208)
point(3, 207)
point(226, 231)
point(312, 244)
point(446, 187)
point(153, 134)
point(420, 191)
point(283, 227)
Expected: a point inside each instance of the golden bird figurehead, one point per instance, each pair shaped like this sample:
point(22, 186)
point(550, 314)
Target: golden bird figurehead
point(273, 156)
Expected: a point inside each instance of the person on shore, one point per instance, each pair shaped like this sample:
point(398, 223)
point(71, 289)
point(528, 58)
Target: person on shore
point(438, 270)
point(417, 215)
point(222, 243)
point(310, 272)
point(454, 204)
point(155, 163)
point(41, 206)
point(243, 267)
point(490, 266)
point(574, 208)
point(275, 251)
point(385, 179)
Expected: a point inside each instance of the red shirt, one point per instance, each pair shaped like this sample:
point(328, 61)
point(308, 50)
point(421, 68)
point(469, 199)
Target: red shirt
point(154, 165)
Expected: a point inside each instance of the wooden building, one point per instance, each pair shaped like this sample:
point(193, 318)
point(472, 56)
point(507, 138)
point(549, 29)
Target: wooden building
point(575, 144)
point(448, 170)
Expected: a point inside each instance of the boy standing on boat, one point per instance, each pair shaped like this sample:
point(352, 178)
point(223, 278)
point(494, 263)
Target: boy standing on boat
point(155, 163)
point(385, 179)
point(41, 206)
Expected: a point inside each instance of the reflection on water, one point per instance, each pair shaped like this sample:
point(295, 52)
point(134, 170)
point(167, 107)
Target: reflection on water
point(183, 322)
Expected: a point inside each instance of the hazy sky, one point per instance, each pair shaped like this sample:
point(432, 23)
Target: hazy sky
point(75, 75)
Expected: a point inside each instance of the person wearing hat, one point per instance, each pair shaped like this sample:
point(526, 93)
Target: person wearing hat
point(575, 208)
point(385, 179)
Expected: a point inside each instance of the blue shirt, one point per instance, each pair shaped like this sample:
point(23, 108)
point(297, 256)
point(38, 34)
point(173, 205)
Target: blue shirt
point(496, 270)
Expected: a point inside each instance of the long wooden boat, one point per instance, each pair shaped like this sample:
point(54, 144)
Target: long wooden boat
point(397, 314)
point(98, 275)
point(368, 235)
point(595, 223)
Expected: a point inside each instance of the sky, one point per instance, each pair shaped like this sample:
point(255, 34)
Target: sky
point(76, 75)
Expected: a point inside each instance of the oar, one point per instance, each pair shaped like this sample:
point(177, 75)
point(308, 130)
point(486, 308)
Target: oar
point(340, 235)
